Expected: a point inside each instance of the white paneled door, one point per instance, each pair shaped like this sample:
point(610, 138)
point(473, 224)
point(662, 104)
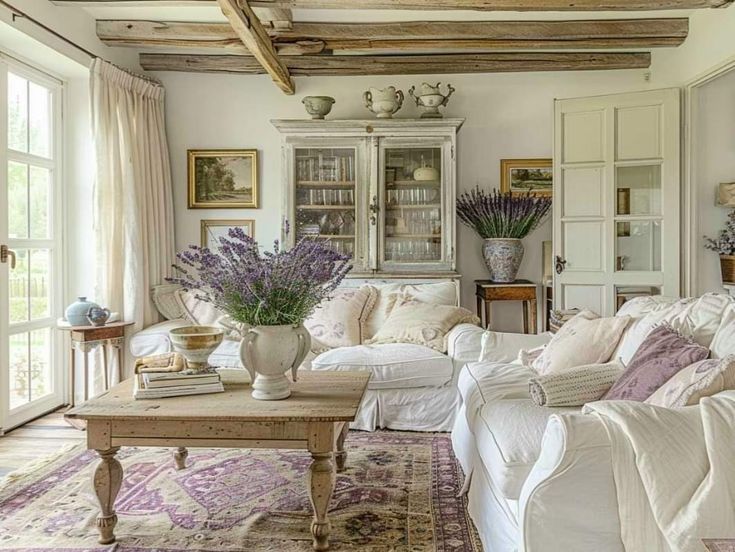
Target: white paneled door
point(616, 198)
point(31, 381)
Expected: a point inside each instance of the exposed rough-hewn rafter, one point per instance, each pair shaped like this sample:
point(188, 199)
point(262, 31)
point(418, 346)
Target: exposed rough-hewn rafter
point(403, 65)
point(311, 38)
point(482, 5)
point(248, 28)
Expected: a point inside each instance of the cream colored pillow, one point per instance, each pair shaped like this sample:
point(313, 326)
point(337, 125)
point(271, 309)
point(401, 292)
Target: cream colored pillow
point(701, 379)
point(413, 321)
point(585, 339)
point(340, 321)
point(576, 386)
point(195, 310)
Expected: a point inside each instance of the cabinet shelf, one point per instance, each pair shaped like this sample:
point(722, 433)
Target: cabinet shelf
point(420, 206)
point(413, 183)
point(325, 184)
point(413, 237)
point(326, 207)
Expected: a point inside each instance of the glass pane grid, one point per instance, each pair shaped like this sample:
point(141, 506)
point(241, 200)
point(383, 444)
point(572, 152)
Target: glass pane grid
point(413, 225)
point(326, 196)
point(30, 117)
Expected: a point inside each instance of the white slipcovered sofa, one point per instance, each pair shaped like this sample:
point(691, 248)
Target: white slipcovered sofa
point(541, 479)
point(412, 387)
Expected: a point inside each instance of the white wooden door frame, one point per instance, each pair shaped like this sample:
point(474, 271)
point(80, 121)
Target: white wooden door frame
point(691, 235)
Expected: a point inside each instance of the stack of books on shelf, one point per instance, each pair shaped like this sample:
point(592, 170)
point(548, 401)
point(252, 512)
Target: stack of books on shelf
point(557, 318)
point(159, 385)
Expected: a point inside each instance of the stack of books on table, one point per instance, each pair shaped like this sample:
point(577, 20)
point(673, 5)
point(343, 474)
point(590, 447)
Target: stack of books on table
point(159, 385)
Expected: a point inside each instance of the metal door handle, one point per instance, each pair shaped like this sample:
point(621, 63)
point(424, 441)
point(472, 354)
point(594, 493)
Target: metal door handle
point(560, 264)
point(5, 253)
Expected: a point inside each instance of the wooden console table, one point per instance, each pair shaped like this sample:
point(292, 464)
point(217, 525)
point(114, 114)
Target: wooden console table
point(86, 339)
point(315, 418)
point(488, 291)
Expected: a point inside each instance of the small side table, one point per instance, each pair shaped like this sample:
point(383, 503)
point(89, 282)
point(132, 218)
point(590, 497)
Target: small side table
point(488, 291)
point(88, 338)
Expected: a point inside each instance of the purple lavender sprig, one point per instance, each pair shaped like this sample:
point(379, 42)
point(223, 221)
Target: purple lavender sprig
point(502, 215)
point(262, 289)
point(724, 244)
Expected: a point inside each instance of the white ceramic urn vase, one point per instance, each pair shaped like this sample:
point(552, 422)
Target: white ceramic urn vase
point(384, 103)
point(268, 353)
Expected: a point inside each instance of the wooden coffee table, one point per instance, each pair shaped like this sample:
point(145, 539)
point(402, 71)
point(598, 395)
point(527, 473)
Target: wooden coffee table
point(315, 418)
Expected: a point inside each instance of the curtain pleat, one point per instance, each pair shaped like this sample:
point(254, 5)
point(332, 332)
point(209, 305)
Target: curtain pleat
point(133, 201)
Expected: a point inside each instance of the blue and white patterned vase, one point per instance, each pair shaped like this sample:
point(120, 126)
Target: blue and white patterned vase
point(76, 313)
point(503, 258)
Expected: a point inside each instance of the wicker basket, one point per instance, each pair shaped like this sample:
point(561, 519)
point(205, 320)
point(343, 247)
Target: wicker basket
point(727, 264)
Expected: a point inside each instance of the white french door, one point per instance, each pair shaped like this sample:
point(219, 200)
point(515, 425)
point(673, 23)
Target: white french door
point(31, 367)
point(616, 199)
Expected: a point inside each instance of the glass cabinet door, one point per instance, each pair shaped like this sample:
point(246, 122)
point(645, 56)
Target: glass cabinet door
point(326, 198)
point(413, 195)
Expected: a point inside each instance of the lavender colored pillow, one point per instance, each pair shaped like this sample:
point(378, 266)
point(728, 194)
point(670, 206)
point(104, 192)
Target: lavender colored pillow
point(661, 355)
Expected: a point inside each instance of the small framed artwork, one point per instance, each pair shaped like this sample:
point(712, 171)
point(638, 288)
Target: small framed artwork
point(527, 175)
point(223, 179)
point(212, 230)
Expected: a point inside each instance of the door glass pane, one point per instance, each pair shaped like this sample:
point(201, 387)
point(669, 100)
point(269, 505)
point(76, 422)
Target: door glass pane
point(17, 200)
point(19, 278)
point(19, 382)
point(638, 245)
point(40, 367)
point(17, 113)
point(638, 190)
point(39, 195)
point(624, 294)
point(413, 224)
point(39, 120)
point(325, 196)
point(38, 289)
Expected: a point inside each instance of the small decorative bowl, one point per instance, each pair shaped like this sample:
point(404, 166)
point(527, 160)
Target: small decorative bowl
point(318, 106)
point(196, 343)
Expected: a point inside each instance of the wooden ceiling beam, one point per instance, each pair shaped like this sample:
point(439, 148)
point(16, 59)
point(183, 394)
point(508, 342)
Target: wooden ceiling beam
point(313, 38)
point(322, 65)
point(476, 5)
point(248, 28)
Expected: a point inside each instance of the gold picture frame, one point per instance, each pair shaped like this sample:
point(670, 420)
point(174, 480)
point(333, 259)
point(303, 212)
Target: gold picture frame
point(223, 179)
point(209, 228)
point(537, 176)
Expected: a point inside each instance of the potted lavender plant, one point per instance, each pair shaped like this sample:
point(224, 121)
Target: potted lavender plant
point(724, 244)
point(502, 220)
point(266, 297)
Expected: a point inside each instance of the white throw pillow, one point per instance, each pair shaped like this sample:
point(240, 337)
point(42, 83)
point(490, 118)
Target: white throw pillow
point(585, 339)
point(723, 343)
point(195, 310)
point(701, 379)
point(340, 321)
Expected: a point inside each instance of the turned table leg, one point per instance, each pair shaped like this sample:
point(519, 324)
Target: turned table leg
point(106, 481)
point(340, 457)
point(321, 479)
point(180, 455)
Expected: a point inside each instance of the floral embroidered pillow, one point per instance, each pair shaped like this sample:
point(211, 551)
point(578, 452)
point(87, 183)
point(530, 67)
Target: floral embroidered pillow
point(340, 321)
point(664, 353)
point(701, 379)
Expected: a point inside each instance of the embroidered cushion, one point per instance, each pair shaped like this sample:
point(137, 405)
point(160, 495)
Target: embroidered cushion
point(576, 386)
point(427, 324)
point(340, 320)
point(195, 310)
point(661, 355)
point(585, 339)
point(701, 379)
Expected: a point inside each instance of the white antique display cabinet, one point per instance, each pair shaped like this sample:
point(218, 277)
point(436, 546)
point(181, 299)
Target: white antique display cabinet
point(383, 191)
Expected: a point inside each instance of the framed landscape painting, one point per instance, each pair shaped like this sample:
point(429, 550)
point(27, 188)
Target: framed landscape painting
point(223, 179)
point(212, 230)
point(527, 175)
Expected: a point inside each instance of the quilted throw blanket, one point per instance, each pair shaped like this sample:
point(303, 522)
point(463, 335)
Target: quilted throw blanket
point(674, 472)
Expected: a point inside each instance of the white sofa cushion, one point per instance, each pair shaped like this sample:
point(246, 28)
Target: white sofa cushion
point(393, 365)
point(340, 320)
point(723, 344)
point(508, 434)
point(440, 293)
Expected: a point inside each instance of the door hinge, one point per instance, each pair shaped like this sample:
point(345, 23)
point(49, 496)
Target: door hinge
point(452, 153)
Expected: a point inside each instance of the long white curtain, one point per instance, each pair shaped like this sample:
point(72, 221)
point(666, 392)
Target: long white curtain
point(133, 203)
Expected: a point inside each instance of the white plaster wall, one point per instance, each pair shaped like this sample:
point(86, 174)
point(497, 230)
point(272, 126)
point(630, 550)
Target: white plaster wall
point(715, 152)
point(508, 116)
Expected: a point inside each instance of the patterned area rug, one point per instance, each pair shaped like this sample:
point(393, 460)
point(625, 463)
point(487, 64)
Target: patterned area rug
point(399, 493)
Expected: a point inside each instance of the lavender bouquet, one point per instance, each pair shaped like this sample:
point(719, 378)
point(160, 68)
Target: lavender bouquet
point(272, 288)
point(502, 215)
point(724, 244)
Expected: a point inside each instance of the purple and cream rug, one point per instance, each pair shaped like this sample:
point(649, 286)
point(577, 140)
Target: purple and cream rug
point(399, 493)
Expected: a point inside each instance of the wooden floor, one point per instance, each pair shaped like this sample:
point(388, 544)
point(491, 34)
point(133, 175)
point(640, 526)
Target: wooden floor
point(37, 439)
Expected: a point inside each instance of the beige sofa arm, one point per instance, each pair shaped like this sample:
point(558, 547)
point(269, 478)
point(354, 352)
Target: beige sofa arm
point(568, 501)
point(464, 342)
point(504, 347)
